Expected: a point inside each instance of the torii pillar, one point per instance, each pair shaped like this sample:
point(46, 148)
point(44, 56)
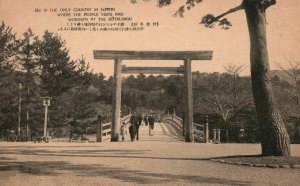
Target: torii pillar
point(189, 132)
point(116, 107)
point(186, 56)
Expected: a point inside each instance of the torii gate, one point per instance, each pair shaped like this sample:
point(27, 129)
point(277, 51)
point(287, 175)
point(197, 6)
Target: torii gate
point(186, 56)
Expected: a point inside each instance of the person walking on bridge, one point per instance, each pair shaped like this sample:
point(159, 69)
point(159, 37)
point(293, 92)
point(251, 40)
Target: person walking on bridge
point(151, 121)
point(138, 123)
point(123, 131)
point(133, 124)
point(146, 120)
point(132, 132)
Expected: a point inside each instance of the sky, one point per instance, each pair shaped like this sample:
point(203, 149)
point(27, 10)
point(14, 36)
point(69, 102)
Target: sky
point(172, 33)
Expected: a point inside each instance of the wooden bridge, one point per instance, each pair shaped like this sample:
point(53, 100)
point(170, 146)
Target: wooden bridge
point(169, 129)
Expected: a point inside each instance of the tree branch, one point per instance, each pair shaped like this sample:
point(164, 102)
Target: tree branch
point(268, 3)
point(210, 19)
point(232, 10)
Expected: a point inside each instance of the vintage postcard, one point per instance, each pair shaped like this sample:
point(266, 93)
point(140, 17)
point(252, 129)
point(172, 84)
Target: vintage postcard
point(149, 92)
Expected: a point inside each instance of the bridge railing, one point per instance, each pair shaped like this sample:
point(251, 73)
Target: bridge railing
point(201, 131)
point(176, 121)
point(106, 127)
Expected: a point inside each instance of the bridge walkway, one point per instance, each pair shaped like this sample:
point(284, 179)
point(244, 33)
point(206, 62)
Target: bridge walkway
point(163, 132)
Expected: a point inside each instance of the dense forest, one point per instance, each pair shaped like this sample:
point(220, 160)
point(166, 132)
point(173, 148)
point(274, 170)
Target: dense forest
point(32, 67)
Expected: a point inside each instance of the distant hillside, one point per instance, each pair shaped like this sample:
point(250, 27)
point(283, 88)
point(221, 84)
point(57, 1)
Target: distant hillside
point(282, 75)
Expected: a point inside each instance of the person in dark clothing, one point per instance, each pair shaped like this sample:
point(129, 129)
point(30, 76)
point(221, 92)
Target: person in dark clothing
point(151, 121)
point(132, 132)
point(146, 120)
point(140, 119)
point(138, 123)
point(134, 125)
point(137, 126)
point(135, 120)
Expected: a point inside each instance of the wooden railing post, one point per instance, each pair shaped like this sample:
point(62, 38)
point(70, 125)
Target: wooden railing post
point(99, 129)
point(219, 135)
point(215, 135)
point(206, 130)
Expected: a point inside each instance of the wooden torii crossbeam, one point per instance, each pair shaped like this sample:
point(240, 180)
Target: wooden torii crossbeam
point(152, 55)
point(186, 56)
point(153, 70)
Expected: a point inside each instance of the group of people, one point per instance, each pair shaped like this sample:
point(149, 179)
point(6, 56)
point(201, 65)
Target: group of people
point(135, 123)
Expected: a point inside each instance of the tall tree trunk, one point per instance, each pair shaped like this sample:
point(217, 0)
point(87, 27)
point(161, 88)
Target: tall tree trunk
point(274, 137)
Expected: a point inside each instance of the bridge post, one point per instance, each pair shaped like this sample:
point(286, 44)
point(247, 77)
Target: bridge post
point(219, 135)
point(215, 135)
point(206, 130)
point(99, 129)
point(116, 107)
point(189, 133)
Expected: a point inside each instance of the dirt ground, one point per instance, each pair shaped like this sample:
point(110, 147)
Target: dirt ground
point(161, 159)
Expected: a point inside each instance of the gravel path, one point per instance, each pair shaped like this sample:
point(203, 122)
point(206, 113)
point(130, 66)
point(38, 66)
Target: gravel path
point(161, 159)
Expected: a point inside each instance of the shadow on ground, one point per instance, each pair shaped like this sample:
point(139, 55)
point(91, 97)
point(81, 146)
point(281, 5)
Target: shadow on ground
point(103, 153)
point(55, 168)
point(87, 153)
point(237, 156)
